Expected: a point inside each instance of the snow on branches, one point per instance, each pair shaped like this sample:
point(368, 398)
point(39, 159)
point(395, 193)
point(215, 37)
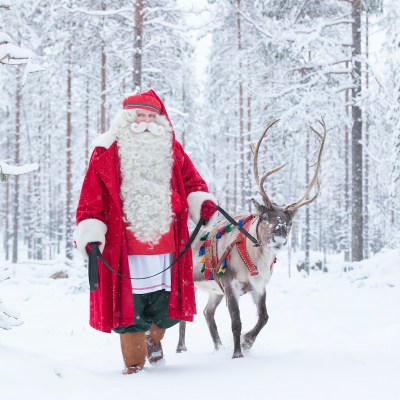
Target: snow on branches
point(6, 169)
point(11, 54)
point(8, 317)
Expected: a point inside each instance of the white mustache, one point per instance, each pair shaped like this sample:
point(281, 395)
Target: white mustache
point(152, 127)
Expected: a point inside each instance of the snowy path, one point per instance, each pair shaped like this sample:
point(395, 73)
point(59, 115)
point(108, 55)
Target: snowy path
point(326, 339)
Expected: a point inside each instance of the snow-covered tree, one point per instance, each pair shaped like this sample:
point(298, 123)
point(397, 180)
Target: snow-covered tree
point(11, 54)
point(8, 317)
point(269, 59)
point(392, 23)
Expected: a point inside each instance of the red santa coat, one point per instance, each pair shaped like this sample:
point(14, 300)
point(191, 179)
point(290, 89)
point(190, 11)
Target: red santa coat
point(111, 305)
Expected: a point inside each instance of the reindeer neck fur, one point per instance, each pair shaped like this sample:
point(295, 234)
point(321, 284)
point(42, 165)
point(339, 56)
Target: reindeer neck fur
point(262, 256)
point(238, 275)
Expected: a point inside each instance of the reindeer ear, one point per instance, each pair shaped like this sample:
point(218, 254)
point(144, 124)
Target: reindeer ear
point(291, 211)
point(259, 207)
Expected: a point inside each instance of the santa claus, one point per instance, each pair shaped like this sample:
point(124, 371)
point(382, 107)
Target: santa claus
point(139, 189)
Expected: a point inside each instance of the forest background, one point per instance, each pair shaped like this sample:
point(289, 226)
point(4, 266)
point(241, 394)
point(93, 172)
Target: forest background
point(224, 68)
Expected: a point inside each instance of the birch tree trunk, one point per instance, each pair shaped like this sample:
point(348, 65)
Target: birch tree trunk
point(249, 160)
point(103, 84)
point(241, 122)
point(17, 161)
point(87, 122)
point(6, 214)
point(307, 239)
point(68, 217)
point(138, 47)
point(347, 209)
point(366, 142)
point(356, 147)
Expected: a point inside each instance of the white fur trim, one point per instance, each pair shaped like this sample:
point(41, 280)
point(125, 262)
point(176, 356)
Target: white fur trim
point(89, 230)
point(104, 140)
point(195, 201)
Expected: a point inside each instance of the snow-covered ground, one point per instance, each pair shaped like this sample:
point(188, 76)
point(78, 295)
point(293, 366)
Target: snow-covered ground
point(330, 336)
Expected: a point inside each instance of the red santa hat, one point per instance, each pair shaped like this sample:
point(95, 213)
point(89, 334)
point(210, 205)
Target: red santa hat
point(148, 101)
point(144, 101)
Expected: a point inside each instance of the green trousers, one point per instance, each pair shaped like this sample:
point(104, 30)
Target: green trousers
point(150, 308)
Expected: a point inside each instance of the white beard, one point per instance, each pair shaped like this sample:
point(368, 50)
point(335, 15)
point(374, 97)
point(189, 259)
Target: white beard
point(146, 166)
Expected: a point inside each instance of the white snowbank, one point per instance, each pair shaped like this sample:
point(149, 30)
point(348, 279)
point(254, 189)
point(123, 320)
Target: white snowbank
point(326, 338)
point(381, 270)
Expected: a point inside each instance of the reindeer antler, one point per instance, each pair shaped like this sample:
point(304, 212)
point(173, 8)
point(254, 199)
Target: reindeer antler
point(260, 182)
point(315, 180)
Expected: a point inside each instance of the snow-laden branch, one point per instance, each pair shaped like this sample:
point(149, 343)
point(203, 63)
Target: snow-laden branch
point(319, 29)
point(368, 151)
point(4, 38)
point(7, 169)
point(250, 21)
point(11, 54)
point(120, 12)
point(190, 11)
point(8, 317)
point(319, 67)
point(291, 35)
point(161, 22)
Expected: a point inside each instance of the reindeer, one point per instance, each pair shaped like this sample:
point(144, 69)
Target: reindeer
point(249, 273)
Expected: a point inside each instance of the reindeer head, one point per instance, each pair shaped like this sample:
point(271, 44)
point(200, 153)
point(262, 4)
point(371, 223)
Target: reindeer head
point(274, 222)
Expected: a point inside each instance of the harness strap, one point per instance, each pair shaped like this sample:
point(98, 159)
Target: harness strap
point(93, 266)
point(225, 254)
point(244, 254)
point(236, 224)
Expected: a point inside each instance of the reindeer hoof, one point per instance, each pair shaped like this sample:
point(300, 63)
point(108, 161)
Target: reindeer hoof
point(181, 349)
point(247, 343)
point(237, 355)
point(218, 346)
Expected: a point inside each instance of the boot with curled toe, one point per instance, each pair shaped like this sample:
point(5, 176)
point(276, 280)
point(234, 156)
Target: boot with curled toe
point(154, 349)
point(134, 350)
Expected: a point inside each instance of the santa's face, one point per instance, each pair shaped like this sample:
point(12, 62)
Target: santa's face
point(145, 116)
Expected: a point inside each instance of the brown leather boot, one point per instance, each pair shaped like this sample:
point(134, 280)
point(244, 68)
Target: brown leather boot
point(134, 351)
point(154, 348)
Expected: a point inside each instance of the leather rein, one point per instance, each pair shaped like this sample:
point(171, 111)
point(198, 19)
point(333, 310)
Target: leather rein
point(96, 253)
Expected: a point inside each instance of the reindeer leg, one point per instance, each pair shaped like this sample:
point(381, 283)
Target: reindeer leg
point(182, 334)
point(209, 312)
point(250, 337)
point(232, 299)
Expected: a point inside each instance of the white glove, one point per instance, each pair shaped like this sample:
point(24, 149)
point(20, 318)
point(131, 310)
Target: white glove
point(195, 201)
point(89, 230)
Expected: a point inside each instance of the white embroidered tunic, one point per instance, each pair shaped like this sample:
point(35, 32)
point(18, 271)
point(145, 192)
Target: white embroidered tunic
point(146, 265)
